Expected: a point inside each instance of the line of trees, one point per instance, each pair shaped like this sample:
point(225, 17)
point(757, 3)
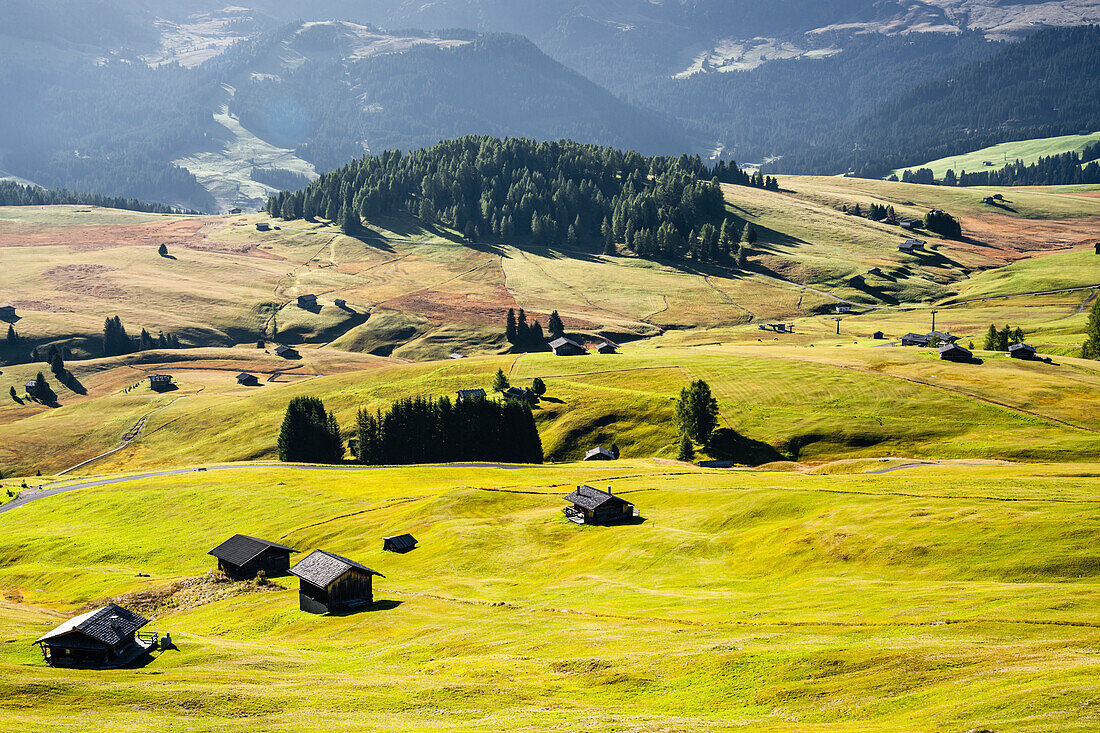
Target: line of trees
point(525, 335)
point(309, 433)
point(117, 342)
point(1075, 167)
point(552, 193)
point(422, 430)
point(1000, 340)
point(16, 194)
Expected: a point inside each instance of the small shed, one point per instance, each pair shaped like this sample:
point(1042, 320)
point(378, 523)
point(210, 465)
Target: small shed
point(599, 453)
point(878, 335)
point(7, 310)
point(99, 639)
point(160, 381)
point(911, 245)
point(592, 506)
point(32, 385)
point(606, 347)
point(998, 197)
point(263, 226)
point(954, 352)
point(241, 557)
point(285, 351)
point(566, 347)
point(333, 583)
point(1021, 351)
point(309, 300)
point(471, 394)
point(841, 308)
point(399, 543)
point(456, 355)
point(875, 271)
point(987, 199)
point(234, 212)
point(520, 393)
point(1097, 248)
point(942, 337)
point(340, 303)
point(247, 380)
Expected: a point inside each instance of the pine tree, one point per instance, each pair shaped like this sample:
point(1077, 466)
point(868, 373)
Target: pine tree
point(163, 250)
point(687, 449)
point(1004, 337)
point(990, 338)
point(749, 234)
point(500, 381)
point(1090, 349)
point(697, 411)
point(538, 386)
point(1018, 335)
point(309, 433)
point(523, 333)
point(510, 331)
point(349, 221)
point(555, 326)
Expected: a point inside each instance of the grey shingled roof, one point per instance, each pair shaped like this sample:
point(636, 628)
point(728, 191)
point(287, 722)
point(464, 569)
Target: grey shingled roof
point(1021, 347)
point(240, 549)
point(560, 342)
point(109, 625)
point(598, 451)
point(322, 568)
point(590, 498)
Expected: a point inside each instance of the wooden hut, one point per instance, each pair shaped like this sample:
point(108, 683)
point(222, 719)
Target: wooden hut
point(878, 335)
point(522, 394)
point(340, 303)
point(247, 380)
point(234, 211)
point(160, 382)
point(476, 393)
point(592, 506)
point(1096, 247)
point(309, 300)
point(241, 557)
point(263, 226)
point(333, 583)
point(285, 351)
point(1021, 351)
point(916, 339)
point(954, 352)
point(399, 543)
point(599, 453)
point(105, 637)
point(566, 347)
point(606, 347)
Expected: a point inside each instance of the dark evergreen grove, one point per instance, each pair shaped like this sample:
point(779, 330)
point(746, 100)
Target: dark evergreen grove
point(16, 194)
point(1075, 167)
point(551, 193)
point(309, 434)
point(422, 430)
point(116, 341)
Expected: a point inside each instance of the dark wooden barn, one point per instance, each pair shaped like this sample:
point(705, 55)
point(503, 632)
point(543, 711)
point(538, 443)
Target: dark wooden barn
point(105, 637)
point(285, 351)
point(241, 557)
point(566, 347)
point(916, 339)
point(1097, 248)
point(954, 352)
point(606, 347)
point(248, 380)
point(399, 543)
point(1021, 351)
point(521, 394)
point(592, 506)
point(878, 335)
point(309, 300)
point(263, 226)
point(160, 381)
point(333, 583)
point(476, 393)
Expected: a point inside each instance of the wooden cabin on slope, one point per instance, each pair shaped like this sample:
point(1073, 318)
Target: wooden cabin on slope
point(241, 557)
point(954, 352)
point(599, 453)
point(333, 583)
point(100, 639)
point(160, 382)
point(592, 506)
point(1021, 351)
point(247, 380)
point(477, 393)
point(399, 543)
point(566, 347)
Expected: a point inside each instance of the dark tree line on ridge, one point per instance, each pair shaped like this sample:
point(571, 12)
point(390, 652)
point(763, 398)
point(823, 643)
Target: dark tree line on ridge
point(1072, 168)
point(552, 193)
point(117, 342)
point(16, 194)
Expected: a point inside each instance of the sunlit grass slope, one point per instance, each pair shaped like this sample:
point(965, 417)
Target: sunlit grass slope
point(1029, 151)
point(933, 598)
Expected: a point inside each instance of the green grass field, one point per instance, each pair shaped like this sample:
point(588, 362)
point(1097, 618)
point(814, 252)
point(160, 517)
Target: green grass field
point(951, 597)
point(1029, 151)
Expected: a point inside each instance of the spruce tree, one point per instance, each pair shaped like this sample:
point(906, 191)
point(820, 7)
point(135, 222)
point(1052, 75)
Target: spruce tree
point(687, 449)
point(697, 411)
point(510, 331)
point(1090, 349)
point(555, 326)
point(1018, 335)
point(749, 234)
point(538, 386)
point(500, 381)
point(523, 334)
point(163, 250)
point(1004, 338)
point(990, 339)
point(349, 221)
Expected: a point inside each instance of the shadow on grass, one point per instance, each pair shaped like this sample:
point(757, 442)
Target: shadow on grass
point(386, 604)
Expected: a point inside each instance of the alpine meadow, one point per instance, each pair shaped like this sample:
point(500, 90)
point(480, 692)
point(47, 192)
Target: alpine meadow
point(643, 366)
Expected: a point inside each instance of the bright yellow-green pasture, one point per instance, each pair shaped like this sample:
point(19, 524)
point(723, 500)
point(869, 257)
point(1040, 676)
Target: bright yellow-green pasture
point(1029, 151)
point(949, 597)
